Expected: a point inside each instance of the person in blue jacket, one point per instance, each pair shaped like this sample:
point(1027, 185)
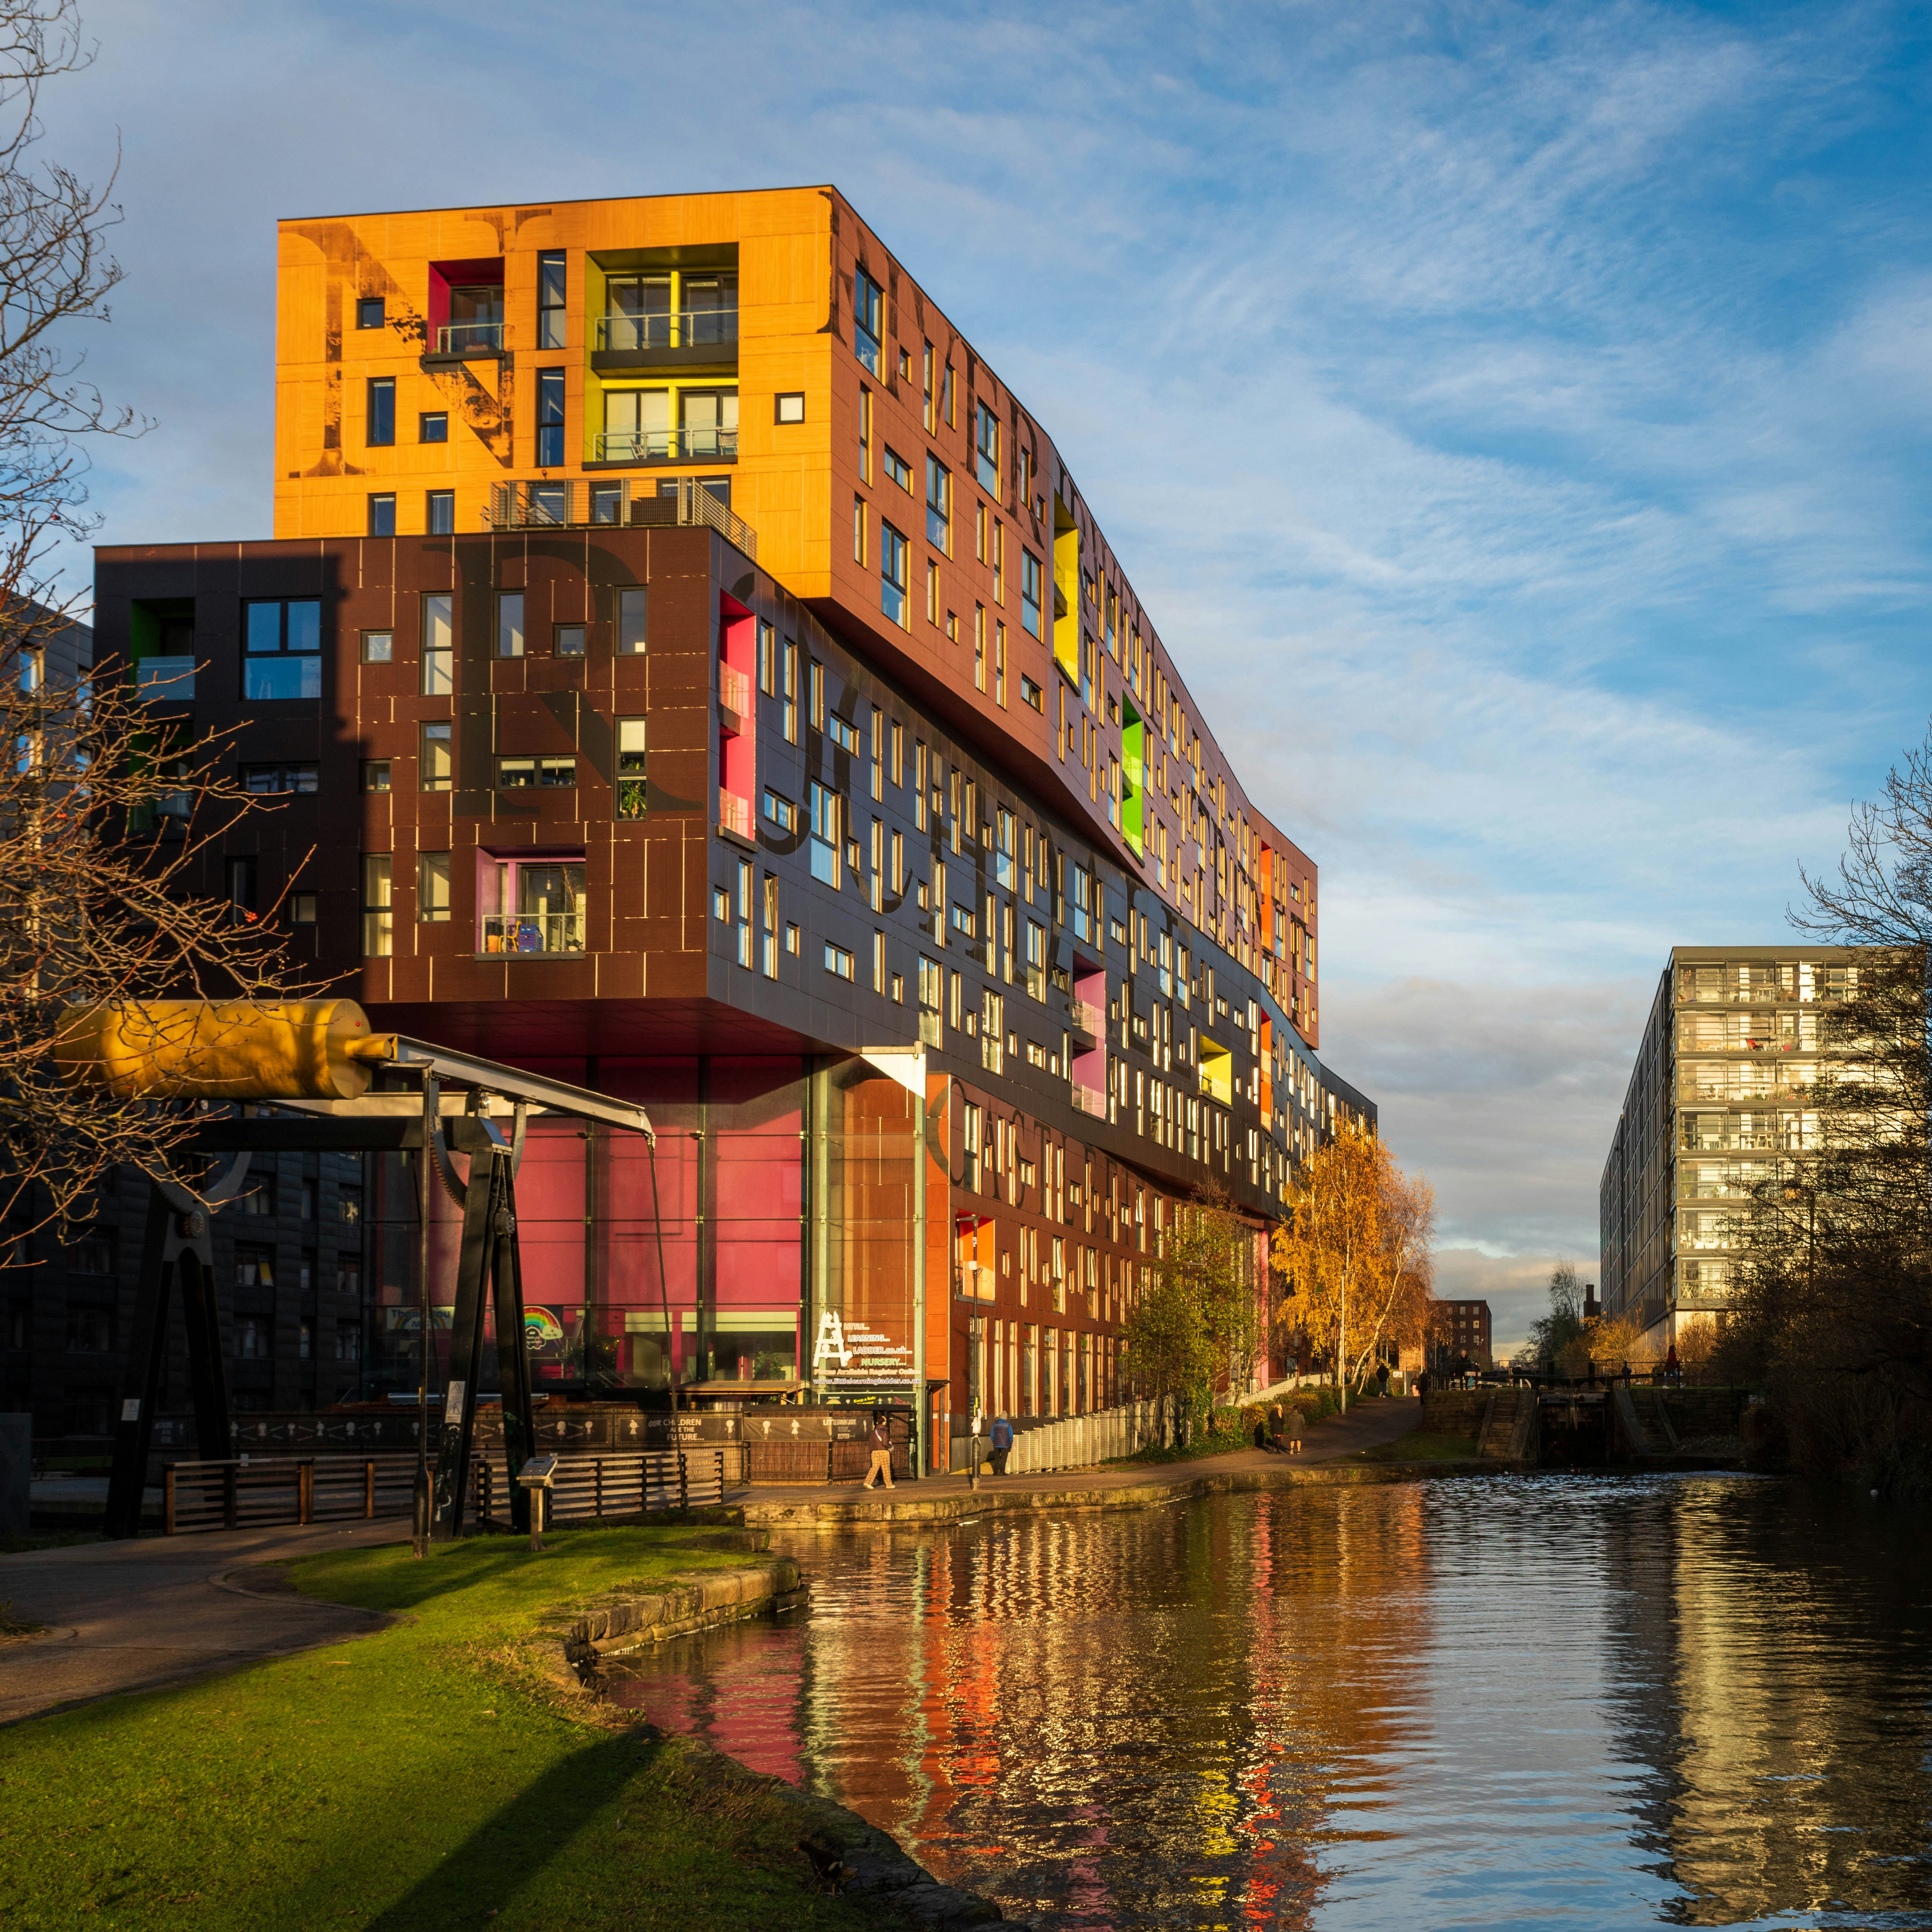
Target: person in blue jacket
point(1001, 1438)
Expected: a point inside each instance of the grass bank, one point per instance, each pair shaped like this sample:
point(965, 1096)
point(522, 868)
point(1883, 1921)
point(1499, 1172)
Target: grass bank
point(426, 1776)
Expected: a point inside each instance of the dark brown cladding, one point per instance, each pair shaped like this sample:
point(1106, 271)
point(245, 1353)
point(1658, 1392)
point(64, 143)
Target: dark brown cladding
point(669, 951)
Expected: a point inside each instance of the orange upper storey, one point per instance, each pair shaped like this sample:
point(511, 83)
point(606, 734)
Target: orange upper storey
point(456, 367)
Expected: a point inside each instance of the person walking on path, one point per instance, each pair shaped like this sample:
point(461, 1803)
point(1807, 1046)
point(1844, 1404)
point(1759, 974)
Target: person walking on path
point(882, 1454)
point(1671, 1375)
point(1001, 1438)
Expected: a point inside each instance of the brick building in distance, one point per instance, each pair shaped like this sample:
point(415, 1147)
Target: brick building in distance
point(686, 669)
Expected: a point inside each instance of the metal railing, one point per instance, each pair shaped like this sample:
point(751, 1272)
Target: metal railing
point(1077, 1441)
point(531, 932)
point(577, 501)
point(1084, 1020)
point(734, 814)
point(469, 338)
point(588, 1486)
point(248, 1493)
point(164, 680)
point(734, 691)
point(669, 328)
point(256, 1493)
point(1089, 1100)
point(667, 446)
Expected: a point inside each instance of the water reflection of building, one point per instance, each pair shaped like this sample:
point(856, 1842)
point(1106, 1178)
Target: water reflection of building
point(1766, 1654)
point(1116, 1716)
point(818, 779)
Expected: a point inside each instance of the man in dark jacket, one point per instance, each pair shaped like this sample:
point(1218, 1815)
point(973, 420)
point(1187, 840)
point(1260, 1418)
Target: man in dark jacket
point(1001, 1438)
point(881, 1440)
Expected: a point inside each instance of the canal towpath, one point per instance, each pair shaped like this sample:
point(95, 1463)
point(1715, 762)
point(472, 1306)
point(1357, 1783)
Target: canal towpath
point(136, 1616)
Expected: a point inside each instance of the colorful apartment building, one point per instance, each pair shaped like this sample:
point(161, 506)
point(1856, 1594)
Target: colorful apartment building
point(683, 665)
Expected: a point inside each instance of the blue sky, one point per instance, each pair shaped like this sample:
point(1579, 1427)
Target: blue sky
point(1516, 419)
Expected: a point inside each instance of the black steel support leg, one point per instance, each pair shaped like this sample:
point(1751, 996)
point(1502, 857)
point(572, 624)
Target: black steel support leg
point(513, 1364)
point(465, 1350)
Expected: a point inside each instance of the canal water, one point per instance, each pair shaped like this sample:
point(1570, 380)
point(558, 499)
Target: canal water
point(1557, 1700)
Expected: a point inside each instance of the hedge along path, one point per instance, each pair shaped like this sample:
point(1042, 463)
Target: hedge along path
point(425, 1775)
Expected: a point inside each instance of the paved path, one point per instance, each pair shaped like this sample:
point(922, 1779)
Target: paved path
point(129, 1616)
point(1330, 1441)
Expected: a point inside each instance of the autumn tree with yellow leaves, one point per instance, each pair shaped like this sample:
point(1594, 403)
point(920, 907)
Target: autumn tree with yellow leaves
point(1355, 1257)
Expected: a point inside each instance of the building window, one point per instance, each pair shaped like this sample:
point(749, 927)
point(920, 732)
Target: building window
point(438, 639)
point(892, 554)
point(90, 1331)
point(349, 1205)
point(938, 506)
point(382, 514)
point(95, 1251)
point(439, 513)
point(825, 822)
point(532, 905)
point(535, 774)
point(838, 960)
point(790, 692)
point(253, 1334)
point(1000, 665)
point(986, 450)
point(433, 426)
point(284, 649)
point(567, 641)
point(549, 419)
point(301, 908)
point(378, 646)
point(369, 312)
point(263, 779)
point(1030, 591)
point(379, 931)
point(510, 624)
point(375, 775)
point(898, 469)
point(840, 731)
point(436, 770)
point(349, 1341)
point(858, 529)
point(978, 647)
point(631, 605)
point(381, 411)
point(781, 811)
point(866, 309)
point(789, 407)
point(433, 888)
point(631, 792)
point(550, 290)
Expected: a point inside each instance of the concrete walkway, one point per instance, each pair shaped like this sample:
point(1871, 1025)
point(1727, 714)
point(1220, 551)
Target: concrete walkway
point(130, 1616)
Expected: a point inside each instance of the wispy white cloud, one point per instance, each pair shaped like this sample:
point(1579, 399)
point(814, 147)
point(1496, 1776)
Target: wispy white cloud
point(1516, 417)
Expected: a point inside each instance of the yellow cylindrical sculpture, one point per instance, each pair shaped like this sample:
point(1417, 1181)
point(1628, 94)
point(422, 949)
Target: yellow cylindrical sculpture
point(222, 1050)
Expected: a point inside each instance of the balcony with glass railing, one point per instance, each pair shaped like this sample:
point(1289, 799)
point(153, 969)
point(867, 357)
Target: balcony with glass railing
point(734, 691)
point(531, 932)
point(668, 446)
point(734, 815)
point(668, 329)
point(570, 502)
point(164, 680)
point(470, 338)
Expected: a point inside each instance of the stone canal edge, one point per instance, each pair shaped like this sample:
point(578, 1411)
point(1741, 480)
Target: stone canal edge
point(848, 1855)
point(959, 1504)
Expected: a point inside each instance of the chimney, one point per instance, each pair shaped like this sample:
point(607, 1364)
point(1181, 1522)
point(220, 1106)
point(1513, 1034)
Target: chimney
point(1592, 1307)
